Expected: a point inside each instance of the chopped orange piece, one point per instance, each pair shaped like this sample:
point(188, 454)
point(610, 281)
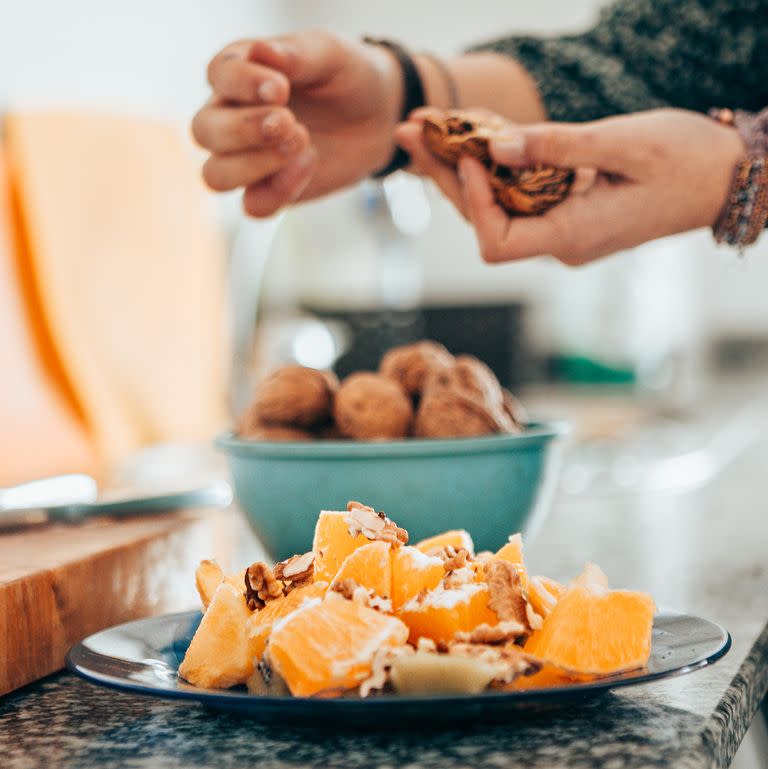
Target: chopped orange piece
point(260, 622)
point(333, 543)
point(596, 631)
point(456, 538)
point(412, 572)
point(592, 577)
point(219, 655)
point(513, 552)
point(543, 594)
point(370, 566)
point(445, 612)
point(208, 576)
point(549, 676)
point(327, 646)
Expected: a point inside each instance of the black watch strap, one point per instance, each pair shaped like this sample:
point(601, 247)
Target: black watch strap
point(413, 97)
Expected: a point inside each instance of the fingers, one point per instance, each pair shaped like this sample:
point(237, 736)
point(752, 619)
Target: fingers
point(408, 136)
point(609, 145)
point(234, 76)
point(270, 195)
point(307, 58)
point(261, 71)
point(224, 172)
point(231, 129)
point(573, 231)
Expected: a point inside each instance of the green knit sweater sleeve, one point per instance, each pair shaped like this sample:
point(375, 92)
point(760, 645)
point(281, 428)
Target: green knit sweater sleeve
point(641, 54)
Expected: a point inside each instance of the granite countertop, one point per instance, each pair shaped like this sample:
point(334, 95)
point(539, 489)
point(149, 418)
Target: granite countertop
point(703, 552)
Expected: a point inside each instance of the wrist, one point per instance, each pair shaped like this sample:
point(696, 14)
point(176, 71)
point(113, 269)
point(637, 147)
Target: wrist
point(390, 82)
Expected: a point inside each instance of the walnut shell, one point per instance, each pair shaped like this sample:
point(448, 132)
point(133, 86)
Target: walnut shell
point(258, 431)
point(295, 396)
point(451, 413)
point(515, 409)
point(412, 364)
point(519, 191)
point(472, 382)
point(371, 407)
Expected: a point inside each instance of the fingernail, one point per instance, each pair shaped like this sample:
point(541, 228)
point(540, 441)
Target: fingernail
point(305, 159)
point(461, 173)
point(268, 91)
point(289, 146)
point(272, 124)
point(280, 48)
point(508, 148)
point(298, 189)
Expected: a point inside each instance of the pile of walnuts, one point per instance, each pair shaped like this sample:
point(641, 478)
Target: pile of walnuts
point(420, 390)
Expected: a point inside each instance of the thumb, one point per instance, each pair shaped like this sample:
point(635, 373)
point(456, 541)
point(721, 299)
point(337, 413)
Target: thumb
point(305, 58)
point(597, 145)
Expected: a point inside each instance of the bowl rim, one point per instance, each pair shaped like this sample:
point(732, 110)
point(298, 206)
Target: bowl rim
point(536, 434)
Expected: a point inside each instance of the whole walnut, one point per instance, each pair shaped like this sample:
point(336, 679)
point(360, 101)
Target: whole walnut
point(258, 431)
point(412, 364)
point(515, 409)
point(453, 413)
point(295, 396)
point(471, 376)
point(369, 406)
point(476, 390)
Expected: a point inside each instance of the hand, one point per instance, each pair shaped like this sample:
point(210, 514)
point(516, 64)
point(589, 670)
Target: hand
point(297, 117)
point(657, 173)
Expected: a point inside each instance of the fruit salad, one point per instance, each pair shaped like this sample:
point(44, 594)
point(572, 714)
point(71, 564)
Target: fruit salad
point(364, 612)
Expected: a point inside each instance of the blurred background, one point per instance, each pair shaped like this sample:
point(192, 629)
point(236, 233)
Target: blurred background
point(151, 306)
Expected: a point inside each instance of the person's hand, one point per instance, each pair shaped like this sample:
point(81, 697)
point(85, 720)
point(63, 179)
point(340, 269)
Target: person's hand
point(657, 173)
point(296, 117)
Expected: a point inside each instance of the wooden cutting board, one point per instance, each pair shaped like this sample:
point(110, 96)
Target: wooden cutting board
point(59, 584)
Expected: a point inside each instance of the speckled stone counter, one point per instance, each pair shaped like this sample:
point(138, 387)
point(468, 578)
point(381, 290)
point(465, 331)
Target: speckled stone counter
point(704, 552)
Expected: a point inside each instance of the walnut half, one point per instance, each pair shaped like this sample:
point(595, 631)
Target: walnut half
point(261, 585)
point(364, 520)
point(519, 191)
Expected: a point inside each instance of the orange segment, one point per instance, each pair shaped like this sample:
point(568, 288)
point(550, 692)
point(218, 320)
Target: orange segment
point(596, 631)
point(445, 612)
point(513, 552)
point(456, 538)
point(208, 576)
point(333, 543)
point(260, 622)
point(543, 594)
point(327, 646)
point(548, 677)
point(412, 572)
point(219, 655)
point(370, 566)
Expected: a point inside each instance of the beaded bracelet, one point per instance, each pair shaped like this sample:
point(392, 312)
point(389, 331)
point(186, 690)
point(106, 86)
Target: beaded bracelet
point(745, 214)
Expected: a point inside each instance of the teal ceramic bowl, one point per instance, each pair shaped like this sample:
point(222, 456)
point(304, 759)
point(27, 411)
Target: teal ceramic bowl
point(491, 486)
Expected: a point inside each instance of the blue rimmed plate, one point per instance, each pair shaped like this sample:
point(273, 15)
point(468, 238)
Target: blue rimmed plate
point(143, 657)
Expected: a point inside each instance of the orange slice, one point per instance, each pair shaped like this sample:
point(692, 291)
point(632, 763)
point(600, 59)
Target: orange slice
point(333, 543)
point(596, 631)
point(370, 566)
point(260, 622)
point(543, 594)
point(412, 572)
point(456, 538)
point(549, 676)
point(327, 646)
point(219, 655)
point(513, 552)
point(445, 612)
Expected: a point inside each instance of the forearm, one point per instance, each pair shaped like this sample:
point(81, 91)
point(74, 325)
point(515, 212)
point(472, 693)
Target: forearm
point(488, 80)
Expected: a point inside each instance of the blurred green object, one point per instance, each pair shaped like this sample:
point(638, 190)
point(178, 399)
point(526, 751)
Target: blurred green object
point(492, 486)
point(585, 370)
